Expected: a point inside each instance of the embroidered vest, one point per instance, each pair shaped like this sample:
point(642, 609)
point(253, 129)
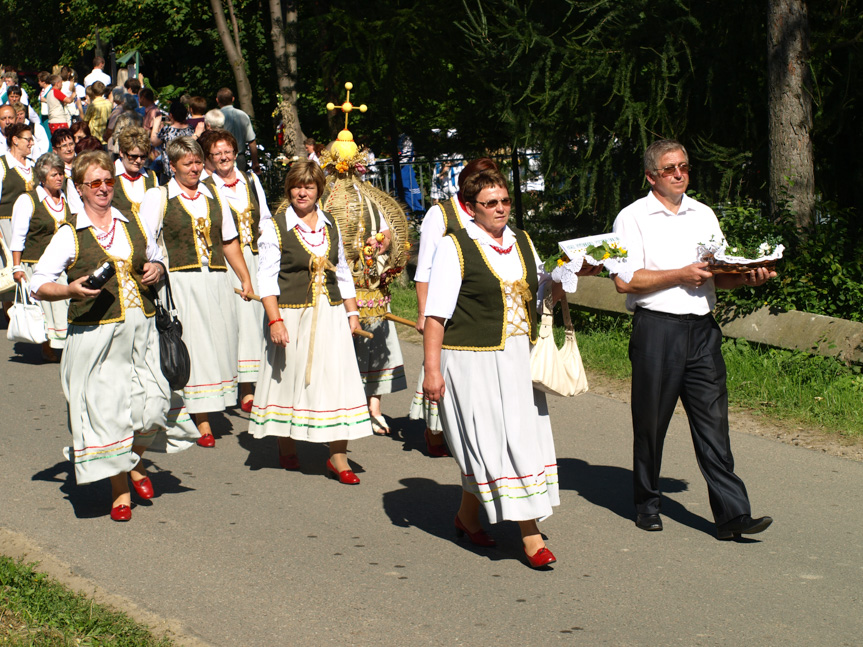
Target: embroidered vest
point(122, 202)
point(13, 187)
point(250, 215)
point(451, 215)
point(296, 289)
point(479, 321)
point(179, 233)
point(43, 226)
point(109, 306)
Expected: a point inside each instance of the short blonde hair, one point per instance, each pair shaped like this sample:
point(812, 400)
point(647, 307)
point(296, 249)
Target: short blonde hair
point(134, 137)
point(85, 160)
point(181, 146)
point(304, 172)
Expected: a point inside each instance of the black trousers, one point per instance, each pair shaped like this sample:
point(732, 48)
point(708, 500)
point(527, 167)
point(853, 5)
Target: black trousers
point(681, 358)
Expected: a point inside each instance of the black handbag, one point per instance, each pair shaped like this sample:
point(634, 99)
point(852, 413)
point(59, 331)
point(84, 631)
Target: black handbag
point(173, 354)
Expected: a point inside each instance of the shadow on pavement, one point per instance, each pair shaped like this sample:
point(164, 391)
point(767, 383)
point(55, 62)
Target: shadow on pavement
point(610, 487)
point(264, 454)
point(431, 507)
point(93, 500)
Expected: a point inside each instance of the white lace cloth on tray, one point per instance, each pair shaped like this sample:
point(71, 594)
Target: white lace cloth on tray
point(722, 252)
point(567, 275)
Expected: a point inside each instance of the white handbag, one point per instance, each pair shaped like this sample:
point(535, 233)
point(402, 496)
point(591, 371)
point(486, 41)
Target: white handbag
point(559, 372)
point(6, 280)
point(26, 319)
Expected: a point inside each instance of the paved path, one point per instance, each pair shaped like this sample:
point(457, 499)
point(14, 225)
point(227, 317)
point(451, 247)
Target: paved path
point(239, 552)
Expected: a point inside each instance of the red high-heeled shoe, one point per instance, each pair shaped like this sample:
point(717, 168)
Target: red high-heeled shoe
point(542, 557)
point(247, 405)
point(435, 451)
point(345, 476)
point(121, 513)
point(207, 440)
point(144, 488)
point(478, 538)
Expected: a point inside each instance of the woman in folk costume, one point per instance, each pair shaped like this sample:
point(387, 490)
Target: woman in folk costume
point(110, 372)
point(442, 219)
point(200, 238)
point(36, 217)
point(481, 319)
point(309, 387)
point(16, 178)
point(133, 180)
point(243, 193)
point(374, 233)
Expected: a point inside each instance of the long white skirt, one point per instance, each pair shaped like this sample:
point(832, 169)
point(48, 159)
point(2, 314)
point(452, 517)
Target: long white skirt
point(333, 406)
point(56, 312)
point(424, 409)
point(205, 303)
point(499, 431)
point(250, 322)
point(382, 368)
point(117, 396)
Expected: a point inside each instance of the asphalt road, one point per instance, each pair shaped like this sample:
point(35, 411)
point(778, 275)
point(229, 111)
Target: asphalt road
point(236, 551)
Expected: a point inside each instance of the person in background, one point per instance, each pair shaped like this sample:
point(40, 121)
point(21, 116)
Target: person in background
point(309, 145)
point(36, 217)
point(197, 110)
point(57, 101)
point(117, 95)
point(676, 345)
point(80, 130)
point(98, 111)
point(7, 118)
point(98, 74)
point(63, 144)
point(162, 135)
point(132, 179)
point(239, 125)
point(214, 118)
point(41, 143)
point(15, 95)
point(10, 79)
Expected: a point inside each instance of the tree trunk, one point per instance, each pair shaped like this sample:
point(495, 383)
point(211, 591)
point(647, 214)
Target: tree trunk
point(792, 173)
point(283, 33)
point(234, 52)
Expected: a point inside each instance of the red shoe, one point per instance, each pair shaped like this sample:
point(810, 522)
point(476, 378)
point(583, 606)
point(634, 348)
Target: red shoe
point(207, 440)
point(144, 488)
point(121, 513)
point(247, 405)
point(289, 461)
point(435, 451)
point(542, 557)
point(346, 476)
point(478, 538)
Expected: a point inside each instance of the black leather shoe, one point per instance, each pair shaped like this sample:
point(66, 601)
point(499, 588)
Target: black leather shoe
point(649, 522)
point(742, 525)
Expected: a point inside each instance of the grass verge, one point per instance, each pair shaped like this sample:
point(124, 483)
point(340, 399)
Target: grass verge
point(35, 610)
point(788, 386)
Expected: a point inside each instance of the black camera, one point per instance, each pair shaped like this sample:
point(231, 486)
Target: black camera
point(97, 279)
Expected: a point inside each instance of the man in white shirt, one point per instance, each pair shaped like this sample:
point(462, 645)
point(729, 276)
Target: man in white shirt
point(675, 348)
point(98, 73)
point(239, 125)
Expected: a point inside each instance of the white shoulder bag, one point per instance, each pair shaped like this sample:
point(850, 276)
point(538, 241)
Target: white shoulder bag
point(559, 372)
point(26, 319)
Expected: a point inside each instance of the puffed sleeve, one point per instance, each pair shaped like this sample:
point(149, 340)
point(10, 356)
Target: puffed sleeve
point(269, 259)
point(22, 212)
point(262, 197)
point(57, 257)
point(431, 233)
point(344, 277)
point(444, 280)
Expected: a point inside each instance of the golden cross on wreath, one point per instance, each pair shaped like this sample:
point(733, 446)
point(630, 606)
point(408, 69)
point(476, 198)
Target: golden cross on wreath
point(347, 106)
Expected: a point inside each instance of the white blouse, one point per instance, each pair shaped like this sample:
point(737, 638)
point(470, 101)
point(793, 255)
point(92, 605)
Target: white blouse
point(151, 212)
point(22, 213)
point(238, 199)
point(270, 255)
point(431, 234)
point(61, 251)
point(445, 279)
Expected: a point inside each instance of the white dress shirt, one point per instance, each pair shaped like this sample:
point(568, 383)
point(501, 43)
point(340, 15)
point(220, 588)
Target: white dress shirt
point(61, 251)
point(151, 212)
point(431, 234)
point(657, 239)
point(97, 75)
point(22, 213)
point(270, 254)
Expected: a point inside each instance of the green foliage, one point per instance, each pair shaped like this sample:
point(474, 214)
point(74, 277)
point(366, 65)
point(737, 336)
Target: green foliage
point(56, 616)
point(822, 268)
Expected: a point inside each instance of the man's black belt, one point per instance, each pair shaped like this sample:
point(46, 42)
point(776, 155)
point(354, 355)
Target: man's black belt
point(669, 315)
